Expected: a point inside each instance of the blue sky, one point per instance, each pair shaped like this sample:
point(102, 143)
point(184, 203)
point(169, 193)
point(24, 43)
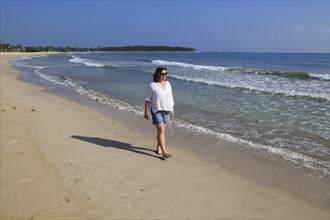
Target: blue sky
point(234, 26)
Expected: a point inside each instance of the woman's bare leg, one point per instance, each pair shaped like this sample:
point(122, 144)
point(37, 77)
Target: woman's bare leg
point(161, 127)
point(158, 149)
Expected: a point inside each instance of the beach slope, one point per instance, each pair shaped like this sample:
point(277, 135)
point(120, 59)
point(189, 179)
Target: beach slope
point(63, 160)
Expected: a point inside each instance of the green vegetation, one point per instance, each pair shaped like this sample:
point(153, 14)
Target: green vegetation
point(12, 48)
point(137, 48)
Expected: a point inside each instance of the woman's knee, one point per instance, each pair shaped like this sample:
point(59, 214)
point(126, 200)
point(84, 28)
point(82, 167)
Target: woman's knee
point(160, 128)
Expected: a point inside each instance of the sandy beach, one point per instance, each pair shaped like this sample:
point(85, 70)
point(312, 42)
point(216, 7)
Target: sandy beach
point(64, 160)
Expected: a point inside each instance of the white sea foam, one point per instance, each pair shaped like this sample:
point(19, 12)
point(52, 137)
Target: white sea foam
point(87, 62)
point(30, 66)
point(241, 85)
point(22, 58)
point(239, 70)
point(320, 76)
point(187, 65)
point(97, 96)
point(28, 57)
point(294, 157)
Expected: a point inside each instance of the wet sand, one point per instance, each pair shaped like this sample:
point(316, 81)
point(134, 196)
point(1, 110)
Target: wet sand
point(63, 160)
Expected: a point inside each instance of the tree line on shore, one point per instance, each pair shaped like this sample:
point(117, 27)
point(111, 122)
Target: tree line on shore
point(5, 47)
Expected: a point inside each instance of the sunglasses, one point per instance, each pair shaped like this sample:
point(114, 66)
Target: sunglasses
point(163, 74)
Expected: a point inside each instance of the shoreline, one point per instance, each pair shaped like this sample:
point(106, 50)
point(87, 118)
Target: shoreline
point(89, 151)
point(261, 164)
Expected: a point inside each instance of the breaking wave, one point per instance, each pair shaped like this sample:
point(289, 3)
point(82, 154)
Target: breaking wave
point(239, 85)
point(294, 157)
point(88, 62)
point(242, 70)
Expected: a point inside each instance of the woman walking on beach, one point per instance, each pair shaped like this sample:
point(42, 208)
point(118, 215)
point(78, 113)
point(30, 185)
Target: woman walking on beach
point(159, 102)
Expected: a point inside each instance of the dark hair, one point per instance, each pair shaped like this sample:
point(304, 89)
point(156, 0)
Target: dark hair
point(158, 72)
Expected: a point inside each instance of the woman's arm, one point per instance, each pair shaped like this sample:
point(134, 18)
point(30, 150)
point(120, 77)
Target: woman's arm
point(146, 110)
point(172, 114)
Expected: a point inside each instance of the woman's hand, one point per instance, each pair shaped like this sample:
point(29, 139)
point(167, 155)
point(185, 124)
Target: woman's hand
point(146, 110)
point(146, 114)
point(172, 114)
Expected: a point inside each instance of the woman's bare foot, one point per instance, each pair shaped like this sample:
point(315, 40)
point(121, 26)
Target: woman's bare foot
point(158, 151)
point(166, 155)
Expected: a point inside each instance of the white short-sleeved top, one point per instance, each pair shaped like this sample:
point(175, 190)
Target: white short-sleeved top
point(161, 99)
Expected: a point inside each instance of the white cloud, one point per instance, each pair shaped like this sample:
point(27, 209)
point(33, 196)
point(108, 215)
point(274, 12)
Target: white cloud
point(300, 28)
point(312, 30)
point(252, 36)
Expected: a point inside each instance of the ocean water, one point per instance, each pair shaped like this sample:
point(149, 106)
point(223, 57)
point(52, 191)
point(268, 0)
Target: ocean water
point(271, 108)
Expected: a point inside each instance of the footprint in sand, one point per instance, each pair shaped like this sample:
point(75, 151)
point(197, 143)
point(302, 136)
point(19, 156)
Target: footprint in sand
point(76, 181)
point(62, 203)
point(71, 162)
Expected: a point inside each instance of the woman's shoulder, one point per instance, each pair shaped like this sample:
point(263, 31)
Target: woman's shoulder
point(155, 84)
point(152, 85)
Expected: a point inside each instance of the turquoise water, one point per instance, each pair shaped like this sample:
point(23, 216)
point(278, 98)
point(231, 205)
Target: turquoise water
point(274, 103)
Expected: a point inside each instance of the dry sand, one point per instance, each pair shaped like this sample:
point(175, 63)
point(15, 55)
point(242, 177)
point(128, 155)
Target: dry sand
point(63, 160)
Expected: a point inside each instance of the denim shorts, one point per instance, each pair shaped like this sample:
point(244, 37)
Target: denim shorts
point(160, 116)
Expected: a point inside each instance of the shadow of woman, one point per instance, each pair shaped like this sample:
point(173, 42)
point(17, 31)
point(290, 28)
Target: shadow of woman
point(115, 144)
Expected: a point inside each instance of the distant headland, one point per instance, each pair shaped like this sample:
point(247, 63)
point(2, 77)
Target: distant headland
point(137, 48)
